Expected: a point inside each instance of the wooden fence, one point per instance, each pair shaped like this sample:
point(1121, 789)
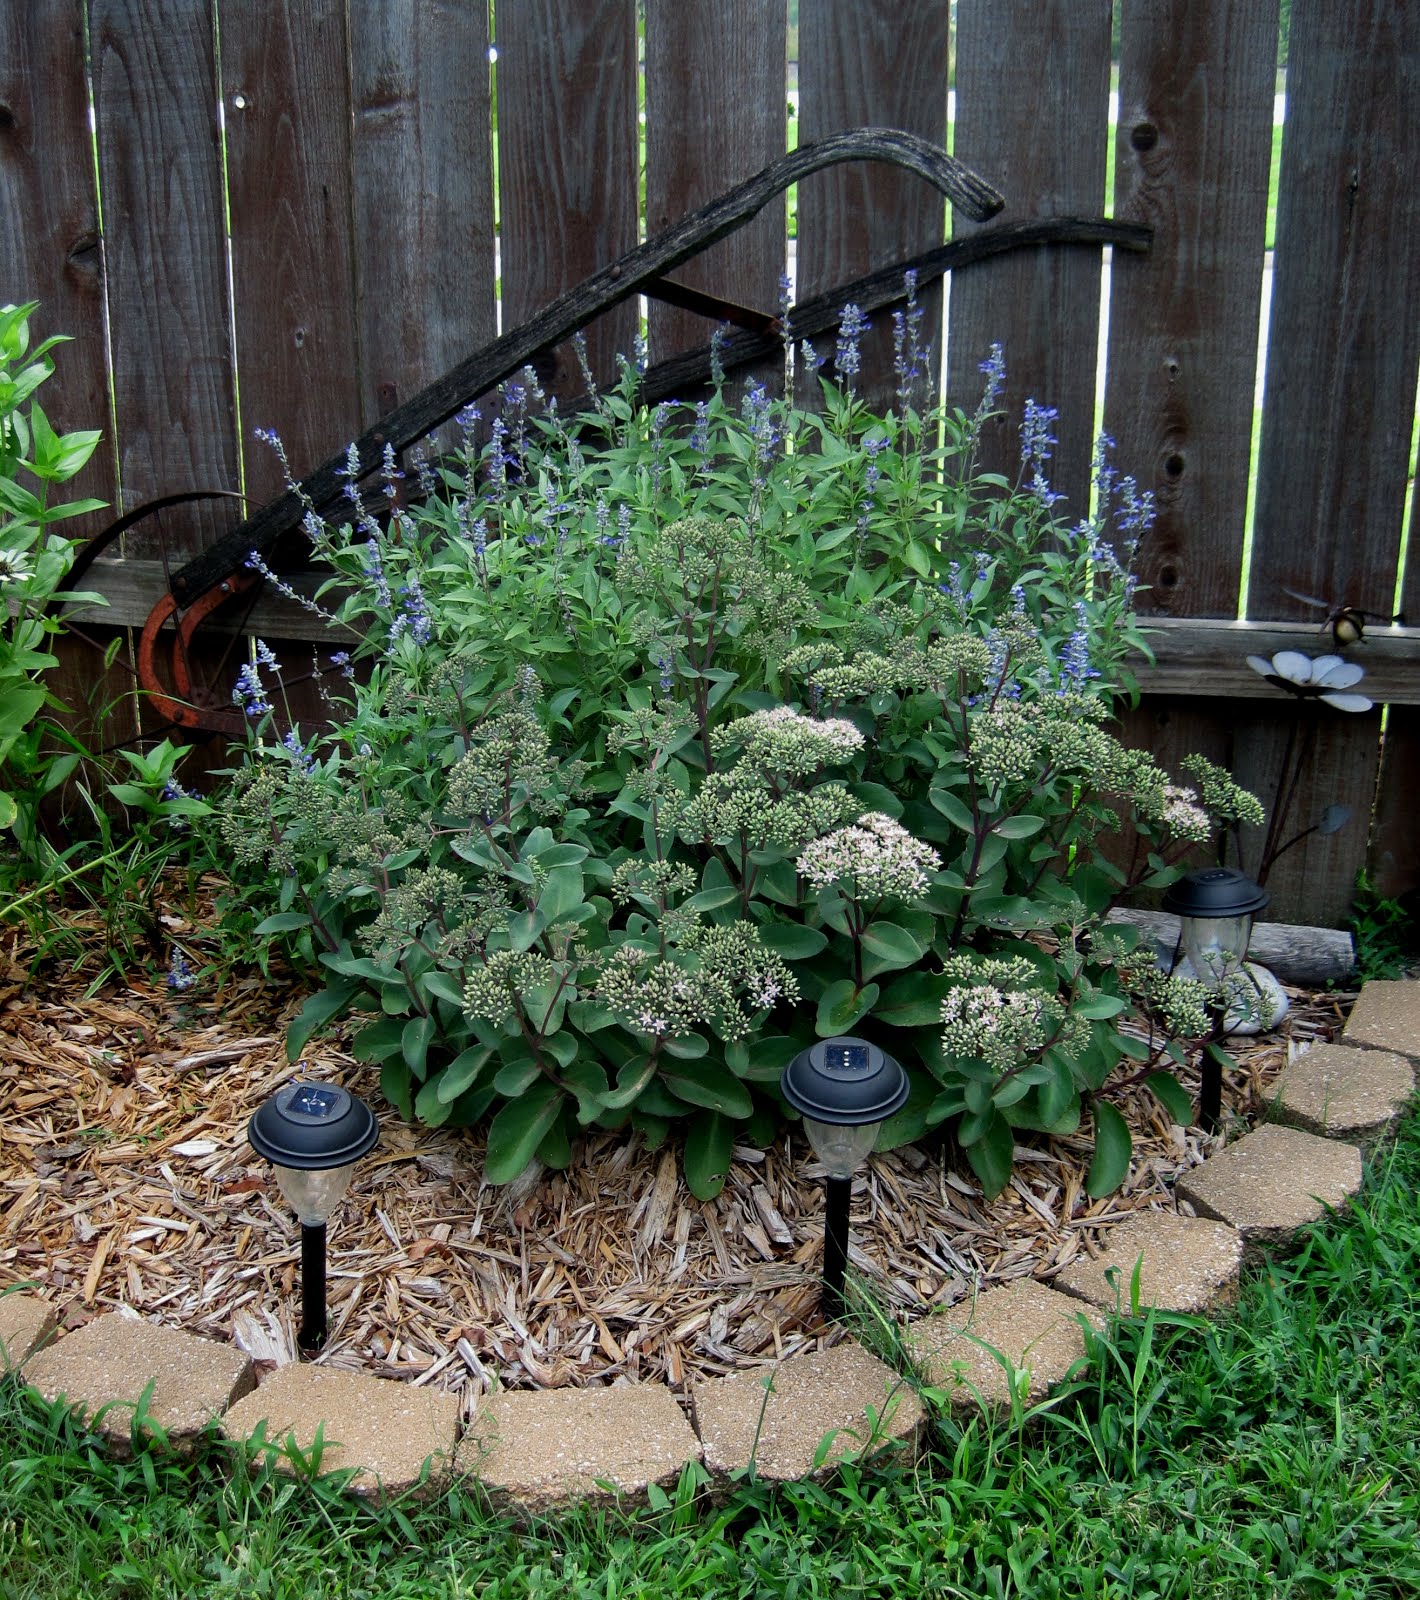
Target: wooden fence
point(289, 213)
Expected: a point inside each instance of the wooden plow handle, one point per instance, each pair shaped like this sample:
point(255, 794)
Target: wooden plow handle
point(628, 276)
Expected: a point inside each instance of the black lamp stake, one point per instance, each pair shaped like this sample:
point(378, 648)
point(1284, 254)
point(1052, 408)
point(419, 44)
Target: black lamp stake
point(313, 1134)
point(1215, 908)
point(838, 1193)
point(311, 1335)
point(843, 1088)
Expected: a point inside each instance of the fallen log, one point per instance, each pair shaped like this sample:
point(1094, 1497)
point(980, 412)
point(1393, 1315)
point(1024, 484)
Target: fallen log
point(1310, 957)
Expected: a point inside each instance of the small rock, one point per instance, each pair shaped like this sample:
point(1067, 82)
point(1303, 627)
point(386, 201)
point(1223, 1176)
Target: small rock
point(1344, 1093)
point(1273, 1181)
point(1185, 1264)
point(387, 1430)
point(536, 1449)
point(783, 1417)
point(1034, 1328)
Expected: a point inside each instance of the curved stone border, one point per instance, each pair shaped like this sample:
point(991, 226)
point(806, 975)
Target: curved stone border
point(537, 1449)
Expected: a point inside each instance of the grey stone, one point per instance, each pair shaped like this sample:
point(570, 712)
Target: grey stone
point(1386, 1016)
point(1343, 1093)
point(843, 1401)
point(1185, 1264)
point(1036, 1329)
point(104, 1368)
point(1273, 1181)
point(26, 1322)
point(384, 1429)
point(537, 1449)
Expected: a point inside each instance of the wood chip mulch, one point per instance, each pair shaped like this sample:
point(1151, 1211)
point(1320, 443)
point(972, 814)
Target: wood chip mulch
point(126, 1180)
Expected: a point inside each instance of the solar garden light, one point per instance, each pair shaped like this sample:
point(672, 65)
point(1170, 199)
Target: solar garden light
point(313, 1134)
point(844, 1088)
point(1215, 908)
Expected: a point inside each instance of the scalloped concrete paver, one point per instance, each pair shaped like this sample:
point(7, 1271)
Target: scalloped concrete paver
point(26, 1322)
point(114, 1358)
point(1035, 1328)
point(1273, 1181)
point(1185, 1264)
point(385, 1429)
point(823, 1393)
point(1386, 1016)
point(1343, 1093)
point(535, 1449)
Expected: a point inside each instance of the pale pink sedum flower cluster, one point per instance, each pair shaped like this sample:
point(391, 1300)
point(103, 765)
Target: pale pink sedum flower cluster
point(876, 855)
point(1183, 816)
point(785, 740)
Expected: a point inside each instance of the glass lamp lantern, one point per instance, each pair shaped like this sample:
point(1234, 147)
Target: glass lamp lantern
point(1215, 908)
point(313, 1134)
point(844, 1088)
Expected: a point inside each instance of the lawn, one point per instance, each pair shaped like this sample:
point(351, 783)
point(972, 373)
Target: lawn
point(1271, 1454)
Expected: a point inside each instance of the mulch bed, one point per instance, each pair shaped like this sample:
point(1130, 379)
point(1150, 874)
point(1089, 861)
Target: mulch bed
point(126, 1180)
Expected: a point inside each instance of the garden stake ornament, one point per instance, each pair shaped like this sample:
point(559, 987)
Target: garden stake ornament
point(313, 1134)
point(844, 1088)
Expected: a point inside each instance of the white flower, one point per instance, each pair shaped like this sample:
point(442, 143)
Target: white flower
point(1183, 816)
point(876, 854)
point(1324, 677)
point(15, 566)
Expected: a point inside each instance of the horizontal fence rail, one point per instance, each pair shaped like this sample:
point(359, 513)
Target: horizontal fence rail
point(297, 214)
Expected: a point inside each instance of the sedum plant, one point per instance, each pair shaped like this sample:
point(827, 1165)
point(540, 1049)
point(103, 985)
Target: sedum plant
point(674, 738)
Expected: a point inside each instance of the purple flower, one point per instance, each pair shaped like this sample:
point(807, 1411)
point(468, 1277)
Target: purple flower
point(852, 325)
point(375, 570)
point(1037, 443)
point(1075, 665)
point(303, 757)
point(250, 692)
point(717, 349)
point(413, 618)
point(700, 433)
point(180, 975)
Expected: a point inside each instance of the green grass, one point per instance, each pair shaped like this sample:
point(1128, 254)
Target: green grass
point(1271, 1454)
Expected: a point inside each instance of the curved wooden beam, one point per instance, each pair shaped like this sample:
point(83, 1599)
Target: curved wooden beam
point(625, 277)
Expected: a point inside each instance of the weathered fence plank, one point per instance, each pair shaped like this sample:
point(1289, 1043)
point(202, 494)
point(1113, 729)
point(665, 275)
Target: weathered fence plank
point(423, 192)
point(160, 175)
point(1344, 340)
point(49, 226)
point(869, 66)
point(1196, 84)
point(567, 164)
point(1393, 863)
point(1046, 153)
point(286, 93)
point(716, 113)
point(50, 250)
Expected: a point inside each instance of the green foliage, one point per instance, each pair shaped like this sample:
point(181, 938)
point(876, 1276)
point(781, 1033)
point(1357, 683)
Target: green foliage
point(33, 560)
point(682, 728)
point(118, 843)
point(1387, 939)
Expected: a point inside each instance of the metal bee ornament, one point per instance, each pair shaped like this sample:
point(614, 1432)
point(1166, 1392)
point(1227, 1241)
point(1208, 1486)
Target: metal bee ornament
point(1347, 623)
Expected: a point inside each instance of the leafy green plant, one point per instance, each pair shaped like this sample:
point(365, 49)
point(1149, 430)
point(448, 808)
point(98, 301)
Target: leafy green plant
point(125, 838)
point(1386, 935)
point(33, 560)
point(686, 736)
